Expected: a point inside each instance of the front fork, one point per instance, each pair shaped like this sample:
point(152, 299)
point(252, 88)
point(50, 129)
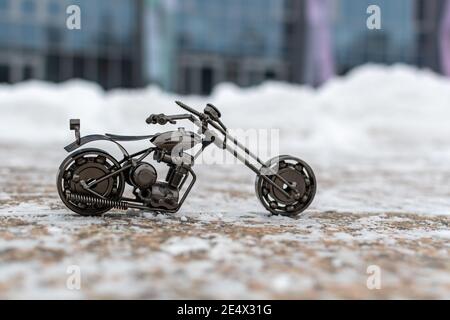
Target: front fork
point(222, 143)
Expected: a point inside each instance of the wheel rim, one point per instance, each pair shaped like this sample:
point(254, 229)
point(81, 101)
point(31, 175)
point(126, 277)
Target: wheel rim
point(296, 172)
point(88, 165)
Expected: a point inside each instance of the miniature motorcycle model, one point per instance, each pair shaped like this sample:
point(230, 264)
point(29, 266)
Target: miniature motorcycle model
point(90, 181)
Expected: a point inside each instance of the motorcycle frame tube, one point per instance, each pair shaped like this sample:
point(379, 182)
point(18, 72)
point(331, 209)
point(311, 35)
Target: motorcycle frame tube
point(240, 146)
point(202, 124)
point(234, 152)
point(236, 143)
point(145, 153)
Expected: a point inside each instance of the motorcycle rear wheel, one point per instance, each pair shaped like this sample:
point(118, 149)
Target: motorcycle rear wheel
point(294, 171)
point(86, 165)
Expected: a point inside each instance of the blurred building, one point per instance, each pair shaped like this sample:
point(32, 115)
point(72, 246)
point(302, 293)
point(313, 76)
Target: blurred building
point(428, 17)
point(189, 46)
point(409, 33)
point(355, 44)
point(35, 42)
point(236, 41)
point(212, 41)
point(196, 44)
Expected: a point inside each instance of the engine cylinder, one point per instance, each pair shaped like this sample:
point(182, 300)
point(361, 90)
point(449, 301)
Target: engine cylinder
point(175, 176)
point(143, 175)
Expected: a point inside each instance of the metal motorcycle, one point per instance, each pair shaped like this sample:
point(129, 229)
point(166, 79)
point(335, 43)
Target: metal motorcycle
point(91, 182)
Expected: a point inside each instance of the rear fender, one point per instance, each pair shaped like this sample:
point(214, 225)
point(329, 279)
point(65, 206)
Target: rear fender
point(94, 137)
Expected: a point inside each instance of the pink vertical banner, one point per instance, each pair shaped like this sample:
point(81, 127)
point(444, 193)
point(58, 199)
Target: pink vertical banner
point(319, 56)
point(445, 40)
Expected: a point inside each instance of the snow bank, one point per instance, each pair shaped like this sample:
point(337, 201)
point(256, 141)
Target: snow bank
point(374, 108)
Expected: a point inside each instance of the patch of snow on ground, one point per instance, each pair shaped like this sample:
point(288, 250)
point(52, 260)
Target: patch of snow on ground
point(178, 246)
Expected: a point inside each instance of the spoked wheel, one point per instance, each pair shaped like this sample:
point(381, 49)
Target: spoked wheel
point(87, 165)
point(301, 192)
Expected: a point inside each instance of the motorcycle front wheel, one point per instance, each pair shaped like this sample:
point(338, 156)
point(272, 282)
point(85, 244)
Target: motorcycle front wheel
point(87, 165)
point(301, 193)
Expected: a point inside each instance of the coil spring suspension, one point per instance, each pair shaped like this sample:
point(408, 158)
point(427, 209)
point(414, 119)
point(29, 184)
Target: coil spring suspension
point(94, 200)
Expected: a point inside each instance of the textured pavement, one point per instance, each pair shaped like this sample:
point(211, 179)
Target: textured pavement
point(222, 244)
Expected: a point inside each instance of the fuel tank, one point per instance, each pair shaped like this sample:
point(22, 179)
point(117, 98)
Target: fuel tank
point(182, 139)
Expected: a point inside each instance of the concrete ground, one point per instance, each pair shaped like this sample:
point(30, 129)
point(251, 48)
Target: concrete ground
point(368, 227)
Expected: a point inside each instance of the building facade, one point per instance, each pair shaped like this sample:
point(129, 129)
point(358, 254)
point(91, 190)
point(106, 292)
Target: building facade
point(409, 33)
point(214, 41)
point(302, 41)
point(192, 45)
point(36, 43)
point(233, 41)
point(356, 44)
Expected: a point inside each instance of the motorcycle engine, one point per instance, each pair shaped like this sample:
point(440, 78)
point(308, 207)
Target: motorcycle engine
point(143, 176)
point(155, 193)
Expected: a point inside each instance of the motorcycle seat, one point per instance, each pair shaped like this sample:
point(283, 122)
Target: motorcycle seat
point(127, 138)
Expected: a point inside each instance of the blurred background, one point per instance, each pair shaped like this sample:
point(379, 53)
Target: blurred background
point(189, 46)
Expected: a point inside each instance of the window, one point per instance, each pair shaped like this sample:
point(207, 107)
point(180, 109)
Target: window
point(103, 71)
point(6, 33)
point(27, 73)
point(207, 80)
point(4, 73)
point(54, 8)
point(78, 67)
point(52, 68)
point(30, 36)
point(28, 6)
point(270, 75)
point(126, 73)
point(54, 36)
point(4, 5)
point(232, 72)
point(187, 84)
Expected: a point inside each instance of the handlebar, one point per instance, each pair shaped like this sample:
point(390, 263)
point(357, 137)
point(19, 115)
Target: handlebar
point(200, 115)
point(161, 119)
point(189, 109)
